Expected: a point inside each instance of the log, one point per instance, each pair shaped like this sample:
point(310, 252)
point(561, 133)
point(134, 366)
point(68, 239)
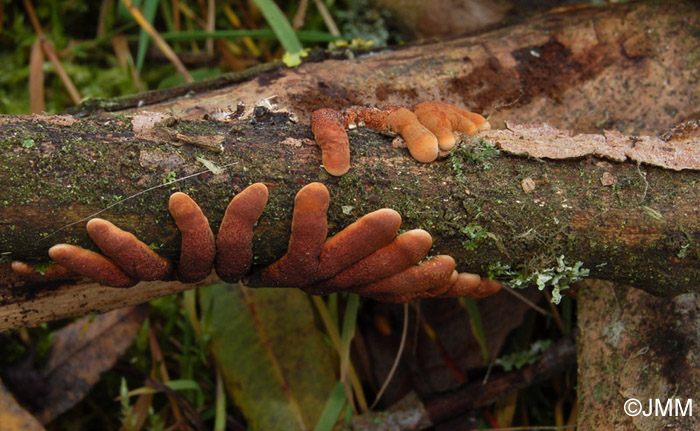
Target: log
point(624, 222)
point(475, 202)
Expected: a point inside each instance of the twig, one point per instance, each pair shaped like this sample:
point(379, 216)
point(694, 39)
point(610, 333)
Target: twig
point(160, 42)
point(327, 18)
point(51, 54)
point(397, 359)
point(555, 360)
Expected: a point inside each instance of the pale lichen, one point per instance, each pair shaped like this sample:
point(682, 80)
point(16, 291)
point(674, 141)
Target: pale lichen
point(557, 277)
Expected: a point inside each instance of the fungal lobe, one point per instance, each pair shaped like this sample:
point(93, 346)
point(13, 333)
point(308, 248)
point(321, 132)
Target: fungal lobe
point(405, 251)
point(421, 143)
point(432, 274)
point(131, 255)
point(472, 286)
point(442, 119)
point(309, 230)
point(234, 242)
point(27, 273)
point(198, 248)
point(90, 264)
point(357, 241)
point(328, 127)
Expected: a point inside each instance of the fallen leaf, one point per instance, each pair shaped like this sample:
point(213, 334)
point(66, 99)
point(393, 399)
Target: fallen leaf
point(81, 352)
point(544, 141)
point(13, 417)
point(273, 359)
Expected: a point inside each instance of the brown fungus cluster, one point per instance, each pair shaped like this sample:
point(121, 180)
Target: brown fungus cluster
point(366, 257)
point(428, 129)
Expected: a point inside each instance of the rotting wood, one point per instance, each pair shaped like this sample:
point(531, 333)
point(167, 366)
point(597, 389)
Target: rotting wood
point(629, 67)
point(507, 73)
point(639, 230)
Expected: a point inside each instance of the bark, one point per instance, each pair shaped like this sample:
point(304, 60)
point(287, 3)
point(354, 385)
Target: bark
point(630, 67)
point(640, 229)
point(642, 347)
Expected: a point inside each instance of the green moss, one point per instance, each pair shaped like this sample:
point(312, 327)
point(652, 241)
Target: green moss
point(468, 157)
point(474, 235)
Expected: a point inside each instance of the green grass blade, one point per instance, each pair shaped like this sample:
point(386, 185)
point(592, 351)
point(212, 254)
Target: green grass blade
point(283, 30)
point(220, 419)
point(149, 12)
point(306, 36)
point(349, 322)
point(332, 409)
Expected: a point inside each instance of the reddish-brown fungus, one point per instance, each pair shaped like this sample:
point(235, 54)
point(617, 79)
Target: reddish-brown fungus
point(131, 255)
point(443, 119)
point(309, 230)
point(198, 249)
point(405, 251)
point(357, 241)
point(328, 127)
point(234, 242)
point(414, 281)
point(365, 116)
point(472, 286)
point(421, 143)
point(90, 264)
point(27, 273)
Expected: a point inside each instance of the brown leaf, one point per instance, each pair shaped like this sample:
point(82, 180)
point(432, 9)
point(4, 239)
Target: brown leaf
point(434, 364)
point(81, 352)
point(13, 417)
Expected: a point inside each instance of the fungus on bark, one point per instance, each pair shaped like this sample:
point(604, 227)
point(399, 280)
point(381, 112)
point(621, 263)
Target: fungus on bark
point(366, 257)
point(426, 280)
point(198, 250)
point(428, 129)
point(328, 128)
point(29, 274)
point(405, 251)
point(234, 241)
point(309, 231)
point(90, 264)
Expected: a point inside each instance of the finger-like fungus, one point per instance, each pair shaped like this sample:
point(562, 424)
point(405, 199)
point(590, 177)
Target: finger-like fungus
point(415, 281)
point(27, 273)
point(422, 144)
point(357, 241)
point(328, 128)
point(198, 249)
point(428, 129)
point(309, 229)
point(404, 252)
point(234, 242)
point(131, 255)
point(443, 119)
point(90, 264)
point(472, 286)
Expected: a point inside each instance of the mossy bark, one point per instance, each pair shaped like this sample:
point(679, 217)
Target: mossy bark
point(630, 67)
point(641, 231)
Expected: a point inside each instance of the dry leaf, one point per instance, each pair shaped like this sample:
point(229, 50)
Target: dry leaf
point(13, 417)
point(81, 352)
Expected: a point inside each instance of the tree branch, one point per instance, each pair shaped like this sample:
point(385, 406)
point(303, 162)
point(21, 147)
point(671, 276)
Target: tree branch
point(624, 222)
